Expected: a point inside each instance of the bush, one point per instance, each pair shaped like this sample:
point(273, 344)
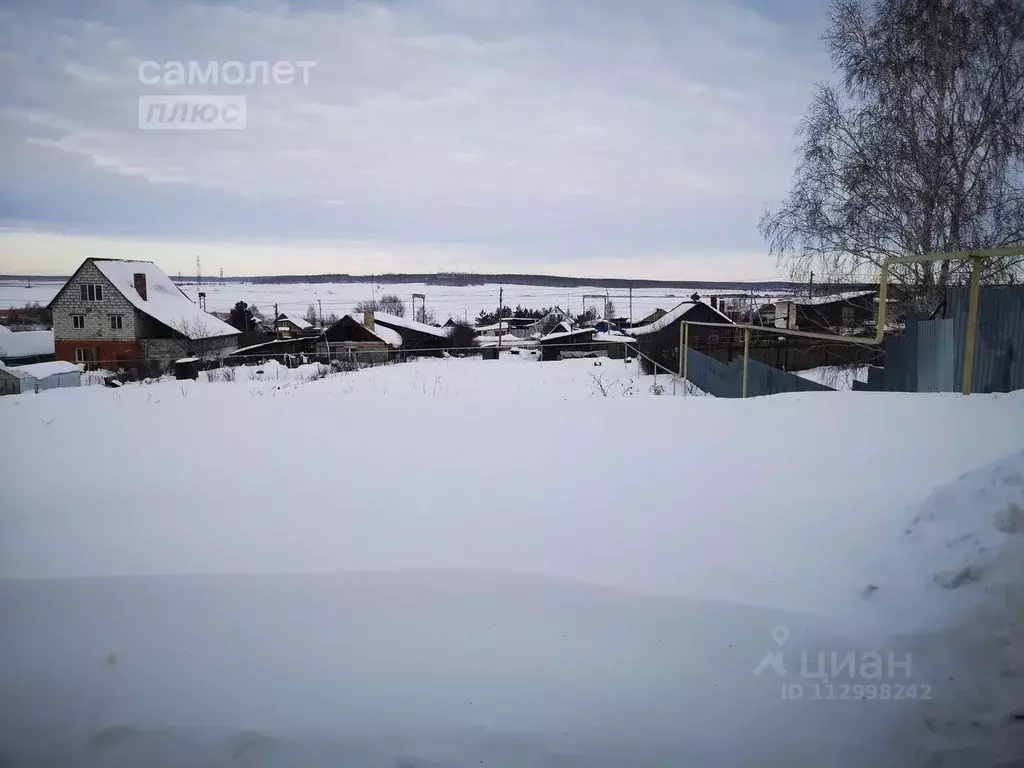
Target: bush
point(461, 336)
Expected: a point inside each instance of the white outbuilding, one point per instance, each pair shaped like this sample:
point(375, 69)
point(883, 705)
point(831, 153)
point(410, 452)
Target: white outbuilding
point(58, 374)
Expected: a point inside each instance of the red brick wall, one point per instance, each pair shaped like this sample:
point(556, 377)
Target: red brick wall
point(105, 352)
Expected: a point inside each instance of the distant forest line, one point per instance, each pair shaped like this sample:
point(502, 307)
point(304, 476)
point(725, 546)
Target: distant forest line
point(462, 279)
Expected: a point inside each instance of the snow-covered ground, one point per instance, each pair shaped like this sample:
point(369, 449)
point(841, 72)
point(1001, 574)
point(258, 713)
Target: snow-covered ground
point(465, 562)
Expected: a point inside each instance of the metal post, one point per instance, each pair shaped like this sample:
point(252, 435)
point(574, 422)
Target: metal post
point(746, 357)
point(972, 324)
point(686, 350)
point(682, 348)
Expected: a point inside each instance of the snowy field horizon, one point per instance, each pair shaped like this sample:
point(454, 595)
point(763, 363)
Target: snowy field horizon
point(460, 302)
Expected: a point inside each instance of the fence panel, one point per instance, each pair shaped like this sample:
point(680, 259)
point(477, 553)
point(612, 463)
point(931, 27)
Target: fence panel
point(765, 380)
point(999, 349)
point(936, 356)
point(710, 375)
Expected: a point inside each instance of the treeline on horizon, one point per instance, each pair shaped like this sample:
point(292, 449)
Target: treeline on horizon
point(462, 279)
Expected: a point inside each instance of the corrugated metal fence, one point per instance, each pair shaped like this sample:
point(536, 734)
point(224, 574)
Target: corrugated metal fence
point(726, 379)
point(929, 357)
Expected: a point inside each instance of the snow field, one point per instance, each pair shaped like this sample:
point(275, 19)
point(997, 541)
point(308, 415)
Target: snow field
point(455, 561)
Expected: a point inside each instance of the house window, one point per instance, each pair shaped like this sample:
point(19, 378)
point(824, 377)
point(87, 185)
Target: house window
point(91, 292)
point(116, 322)
point(78, 322)
point(846, 316)
point(81, 355)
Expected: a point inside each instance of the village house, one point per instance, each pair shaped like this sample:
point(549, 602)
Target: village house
point(128, 315)
point(359, 341)
point(289, 327)
point(416, 336)
point(831, 312)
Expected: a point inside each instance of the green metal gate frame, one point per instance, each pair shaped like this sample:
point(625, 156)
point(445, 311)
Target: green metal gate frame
point(883, 294)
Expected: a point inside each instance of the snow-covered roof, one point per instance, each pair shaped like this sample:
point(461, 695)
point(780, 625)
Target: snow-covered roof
point(826, 299)
point(614, 337)
point(389, 336)
point(164, 301)
point(492, 327)
point(26, 344)
point(5, 329)
point(42, 370)
point(412, 325)
point(672, 316)
point(567, 334)
point(298, 322)
point(563, 326)
point(188, 360)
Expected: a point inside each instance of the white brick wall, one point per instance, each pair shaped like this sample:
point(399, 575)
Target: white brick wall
point(97, 313)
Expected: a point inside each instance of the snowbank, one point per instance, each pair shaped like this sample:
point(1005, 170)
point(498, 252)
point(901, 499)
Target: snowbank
point(458, 561)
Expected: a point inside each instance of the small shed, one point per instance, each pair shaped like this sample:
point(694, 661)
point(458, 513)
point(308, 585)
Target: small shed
point(20, 379)
point(554, 346)
point(186, 368)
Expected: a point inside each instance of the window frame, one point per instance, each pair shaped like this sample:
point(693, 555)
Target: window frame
point(77, 321)
point(91, 292)
point(116, 322)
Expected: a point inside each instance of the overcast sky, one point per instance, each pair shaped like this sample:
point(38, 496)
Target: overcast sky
point(632, 138)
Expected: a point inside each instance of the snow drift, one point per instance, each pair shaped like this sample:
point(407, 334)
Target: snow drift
point(458, 562)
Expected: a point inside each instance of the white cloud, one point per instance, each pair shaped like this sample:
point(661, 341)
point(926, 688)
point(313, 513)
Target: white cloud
point(578, 121)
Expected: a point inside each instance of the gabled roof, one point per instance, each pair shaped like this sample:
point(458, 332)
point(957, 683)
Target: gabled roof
point(673, 315)
point(382, 333)
point(568, 334)
point(298, 322)
point(412, 325)
point(164, 302)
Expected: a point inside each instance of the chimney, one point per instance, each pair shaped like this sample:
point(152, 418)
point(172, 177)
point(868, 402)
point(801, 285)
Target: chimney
point(140, 284)
point(368, 320)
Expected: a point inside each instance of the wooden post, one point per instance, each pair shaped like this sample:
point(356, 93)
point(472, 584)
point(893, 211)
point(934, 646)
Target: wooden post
point(972, 325)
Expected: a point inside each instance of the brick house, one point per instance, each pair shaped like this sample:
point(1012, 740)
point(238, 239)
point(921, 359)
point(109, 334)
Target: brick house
point(129, 315)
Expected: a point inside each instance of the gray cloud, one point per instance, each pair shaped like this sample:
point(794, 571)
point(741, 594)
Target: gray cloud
point(571, 126)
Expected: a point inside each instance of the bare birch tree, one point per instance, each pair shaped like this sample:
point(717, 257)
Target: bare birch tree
point(919, 150)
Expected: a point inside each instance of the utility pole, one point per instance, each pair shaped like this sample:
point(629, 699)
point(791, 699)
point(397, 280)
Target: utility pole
point(501, 300)
point(631, 304)
point(321, 305)
point(275, 318)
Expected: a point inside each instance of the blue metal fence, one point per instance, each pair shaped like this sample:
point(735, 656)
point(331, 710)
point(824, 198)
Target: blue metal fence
point(930, 356)
point(726, 379)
